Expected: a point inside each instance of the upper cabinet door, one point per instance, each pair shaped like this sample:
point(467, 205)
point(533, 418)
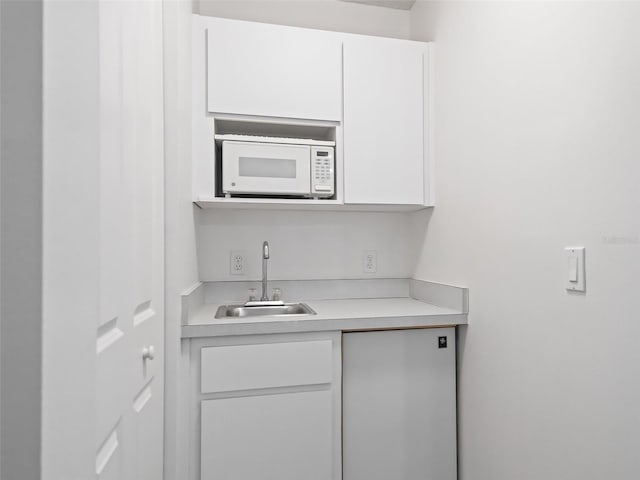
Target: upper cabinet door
point(384, 134)
point(275, 71)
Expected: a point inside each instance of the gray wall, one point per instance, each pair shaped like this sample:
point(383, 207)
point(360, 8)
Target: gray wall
point(21, 245)
point(537, 148)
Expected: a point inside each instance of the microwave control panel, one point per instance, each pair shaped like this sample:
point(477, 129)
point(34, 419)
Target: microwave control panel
point(322, 171)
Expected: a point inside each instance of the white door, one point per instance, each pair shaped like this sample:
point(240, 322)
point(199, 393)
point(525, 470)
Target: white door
point(129, 440)
point(103, 241)
point(384, 130)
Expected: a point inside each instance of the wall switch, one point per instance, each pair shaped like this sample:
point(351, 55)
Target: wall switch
point(575, 269)
point(370, 261)
point(237, 262)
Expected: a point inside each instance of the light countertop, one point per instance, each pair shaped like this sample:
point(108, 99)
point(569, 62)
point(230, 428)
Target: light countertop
point(332, 315)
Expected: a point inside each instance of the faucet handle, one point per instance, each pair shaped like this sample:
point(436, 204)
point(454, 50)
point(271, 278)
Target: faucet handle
point(277, 294)
point(252, 294)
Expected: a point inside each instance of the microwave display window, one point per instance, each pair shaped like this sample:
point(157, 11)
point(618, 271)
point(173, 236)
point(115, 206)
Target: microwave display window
point(266, 167)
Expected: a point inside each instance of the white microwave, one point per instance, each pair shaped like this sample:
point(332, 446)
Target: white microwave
point(277, 169)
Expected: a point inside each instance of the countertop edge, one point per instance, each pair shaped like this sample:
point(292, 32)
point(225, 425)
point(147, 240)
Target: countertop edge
point(324, 324)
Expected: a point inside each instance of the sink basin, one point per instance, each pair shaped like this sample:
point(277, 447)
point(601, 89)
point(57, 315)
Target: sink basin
point(257, 310)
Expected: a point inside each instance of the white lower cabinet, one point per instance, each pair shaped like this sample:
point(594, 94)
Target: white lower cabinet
point(286, 436)
point(373, 405)
point(269, 406)
point(399, 405)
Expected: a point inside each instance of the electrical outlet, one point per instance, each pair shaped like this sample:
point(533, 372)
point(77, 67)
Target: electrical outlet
point(370, 261)
point(237, 263)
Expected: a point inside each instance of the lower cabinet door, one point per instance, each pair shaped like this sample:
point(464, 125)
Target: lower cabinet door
point(286, 436)
point(399, 405)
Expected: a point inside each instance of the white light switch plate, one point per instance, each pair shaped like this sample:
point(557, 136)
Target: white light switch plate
point(575, 269)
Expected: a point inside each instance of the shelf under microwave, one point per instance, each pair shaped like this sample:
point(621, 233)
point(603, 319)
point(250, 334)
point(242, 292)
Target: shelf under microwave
point(275, 197)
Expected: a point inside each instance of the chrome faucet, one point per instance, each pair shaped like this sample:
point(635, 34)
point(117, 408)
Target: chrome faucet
point(265, 257)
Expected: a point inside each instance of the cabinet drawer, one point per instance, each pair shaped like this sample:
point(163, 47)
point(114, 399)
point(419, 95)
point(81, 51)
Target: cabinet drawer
point(246, 367)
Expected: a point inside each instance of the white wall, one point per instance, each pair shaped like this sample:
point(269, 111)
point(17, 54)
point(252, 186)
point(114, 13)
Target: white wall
point(537, 148)
point(305, 245)
point(321, 14)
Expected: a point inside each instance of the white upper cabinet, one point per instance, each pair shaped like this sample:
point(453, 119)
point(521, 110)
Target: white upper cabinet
point(274, 71)
point(368, 94)
point(384, 121)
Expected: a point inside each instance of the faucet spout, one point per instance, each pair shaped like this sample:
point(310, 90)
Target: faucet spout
point(265, 257)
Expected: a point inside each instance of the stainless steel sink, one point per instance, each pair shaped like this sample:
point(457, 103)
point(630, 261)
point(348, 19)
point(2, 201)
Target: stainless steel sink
point(262, 309)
